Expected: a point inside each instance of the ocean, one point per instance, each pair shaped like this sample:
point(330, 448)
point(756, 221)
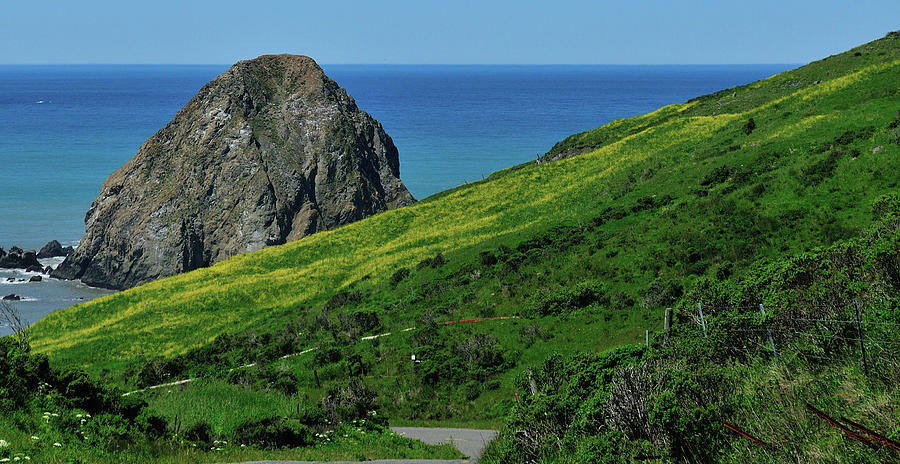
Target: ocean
point(64, 129)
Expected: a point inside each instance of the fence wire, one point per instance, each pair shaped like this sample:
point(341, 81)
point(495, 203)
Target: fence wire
point(809, 336)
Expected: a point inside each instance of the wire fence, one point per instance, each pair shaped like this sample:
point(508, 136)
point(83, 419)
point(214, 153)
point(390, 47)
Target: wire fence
point(831, 332)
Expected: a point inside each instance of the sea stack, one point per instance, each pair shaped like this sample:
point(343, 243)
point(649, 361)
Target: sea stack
point(269, 151)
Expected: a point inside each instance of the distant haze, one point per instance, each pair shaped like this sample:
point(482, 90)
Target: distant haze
point(423, 32)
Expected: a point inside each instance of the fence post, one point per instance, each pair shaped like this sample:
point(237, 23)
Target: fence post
point(646, 338)
point(702, 320)
point(769, 332)
point(862, 346)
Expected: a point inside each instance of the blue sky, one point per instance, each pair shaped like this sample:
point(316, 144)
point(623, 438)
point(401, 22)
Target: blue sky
point(424, 31)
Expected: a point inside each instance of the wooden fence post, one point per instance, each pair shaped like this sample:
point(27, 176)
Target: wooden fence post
point(702, 320)
point(769, 332)
point(862, 346)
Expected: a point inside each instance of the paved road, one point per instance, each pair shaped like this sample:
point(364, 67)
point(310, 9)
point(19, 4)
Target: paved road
point(467, 441)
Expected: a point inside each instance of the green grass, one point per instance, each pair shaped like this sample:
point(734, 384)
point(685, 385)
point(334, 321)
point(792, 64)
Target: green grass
point(220, 405)
point(348, 445)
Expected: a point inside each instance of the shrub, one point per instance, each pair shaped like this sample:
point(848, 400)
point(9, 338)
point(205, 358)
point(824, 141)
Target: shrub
point(749, 126)
point(274, 432)
point(487, 258)
point(199, 434)
point(399, 275)
point(360, 322)
point(716, 176)
point(343, 299)
point(349, 401)
point(565, 300)
point(817, 172)
point(285, 382)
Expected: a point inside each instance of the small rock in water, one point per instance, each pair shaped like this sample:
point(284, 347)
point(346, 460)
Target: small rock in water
point(10, 279)
point(47, 270)
point(12, 297)
point(35, 279)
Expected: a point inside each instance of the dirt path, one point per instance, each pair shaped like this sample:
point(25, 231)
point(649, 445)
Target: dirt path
point(468, 441)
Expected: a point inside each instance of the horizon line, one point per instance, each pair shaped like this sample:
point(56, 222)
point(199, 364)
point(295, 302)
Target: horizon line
point(416, 64)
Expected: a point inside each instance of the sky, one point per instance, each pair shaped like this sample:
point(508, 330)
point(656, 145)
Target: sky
point(439, 32)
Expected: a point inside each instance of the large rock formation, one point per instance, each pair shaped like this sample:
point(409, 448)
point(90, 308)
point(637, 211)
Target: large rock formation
point(268, 152)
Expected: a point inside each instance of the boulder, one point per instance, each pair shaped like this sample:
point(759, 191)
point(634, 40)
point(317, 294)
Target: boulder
point(53, 249)
point(12, 297)
point(36, 278)
point(18, 259)
point(270, 151)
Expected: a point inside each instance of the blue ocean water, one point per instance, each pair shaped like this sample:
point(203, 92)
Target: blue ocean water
point(64, 129)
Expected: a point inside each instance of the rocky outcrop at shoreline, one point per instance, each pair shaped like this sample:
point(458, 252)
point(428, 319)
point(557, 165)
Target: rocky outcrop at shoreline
point(268, 152)
point(17, 258)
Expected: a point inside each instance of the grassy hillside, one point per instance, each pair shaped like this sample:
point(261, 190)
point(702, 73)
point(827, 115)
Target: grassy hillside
point(762, 193)
point(657, 200)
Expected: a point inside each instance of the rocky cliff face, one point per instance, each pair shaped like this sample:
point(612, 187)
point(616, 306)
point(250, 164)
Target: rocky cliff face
point(268, 152)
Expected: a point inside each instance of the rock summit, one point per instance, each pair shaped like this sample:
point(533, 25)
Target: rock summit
point(268, 152)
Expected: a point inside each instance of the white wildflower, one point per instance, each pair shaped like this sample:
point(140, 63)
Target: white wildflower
point(3, 444)
point(4, 460)
point(57, 444)
point(33, 437)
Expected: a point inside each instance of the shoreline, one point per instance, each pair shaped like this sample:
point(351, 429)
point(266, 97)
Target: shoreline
point(38, 299)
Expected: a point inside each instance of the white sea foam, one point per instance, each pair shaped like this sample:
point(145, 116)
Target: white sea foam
point(52, 262)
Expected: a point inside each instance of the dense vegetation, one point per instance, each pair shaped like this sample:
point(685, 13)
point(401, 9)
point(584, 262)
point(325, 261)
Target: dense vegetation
point(670, 399)
point(781, 192)
point(53, 416)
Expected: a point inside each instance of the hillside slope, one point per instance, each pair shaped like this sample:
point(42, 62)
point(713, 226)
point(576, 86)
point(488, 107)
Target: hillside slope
point(703, 188)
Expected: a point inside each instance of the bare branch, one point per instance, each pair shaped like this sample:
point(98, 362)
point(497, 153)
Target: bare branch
point(11, 317)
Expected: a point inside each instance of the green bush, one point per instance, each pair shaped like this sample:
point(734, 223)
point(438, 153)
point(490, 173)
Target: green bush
point(565, 300)
point(399, 275)
point(749, 126)
point(274, 432)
